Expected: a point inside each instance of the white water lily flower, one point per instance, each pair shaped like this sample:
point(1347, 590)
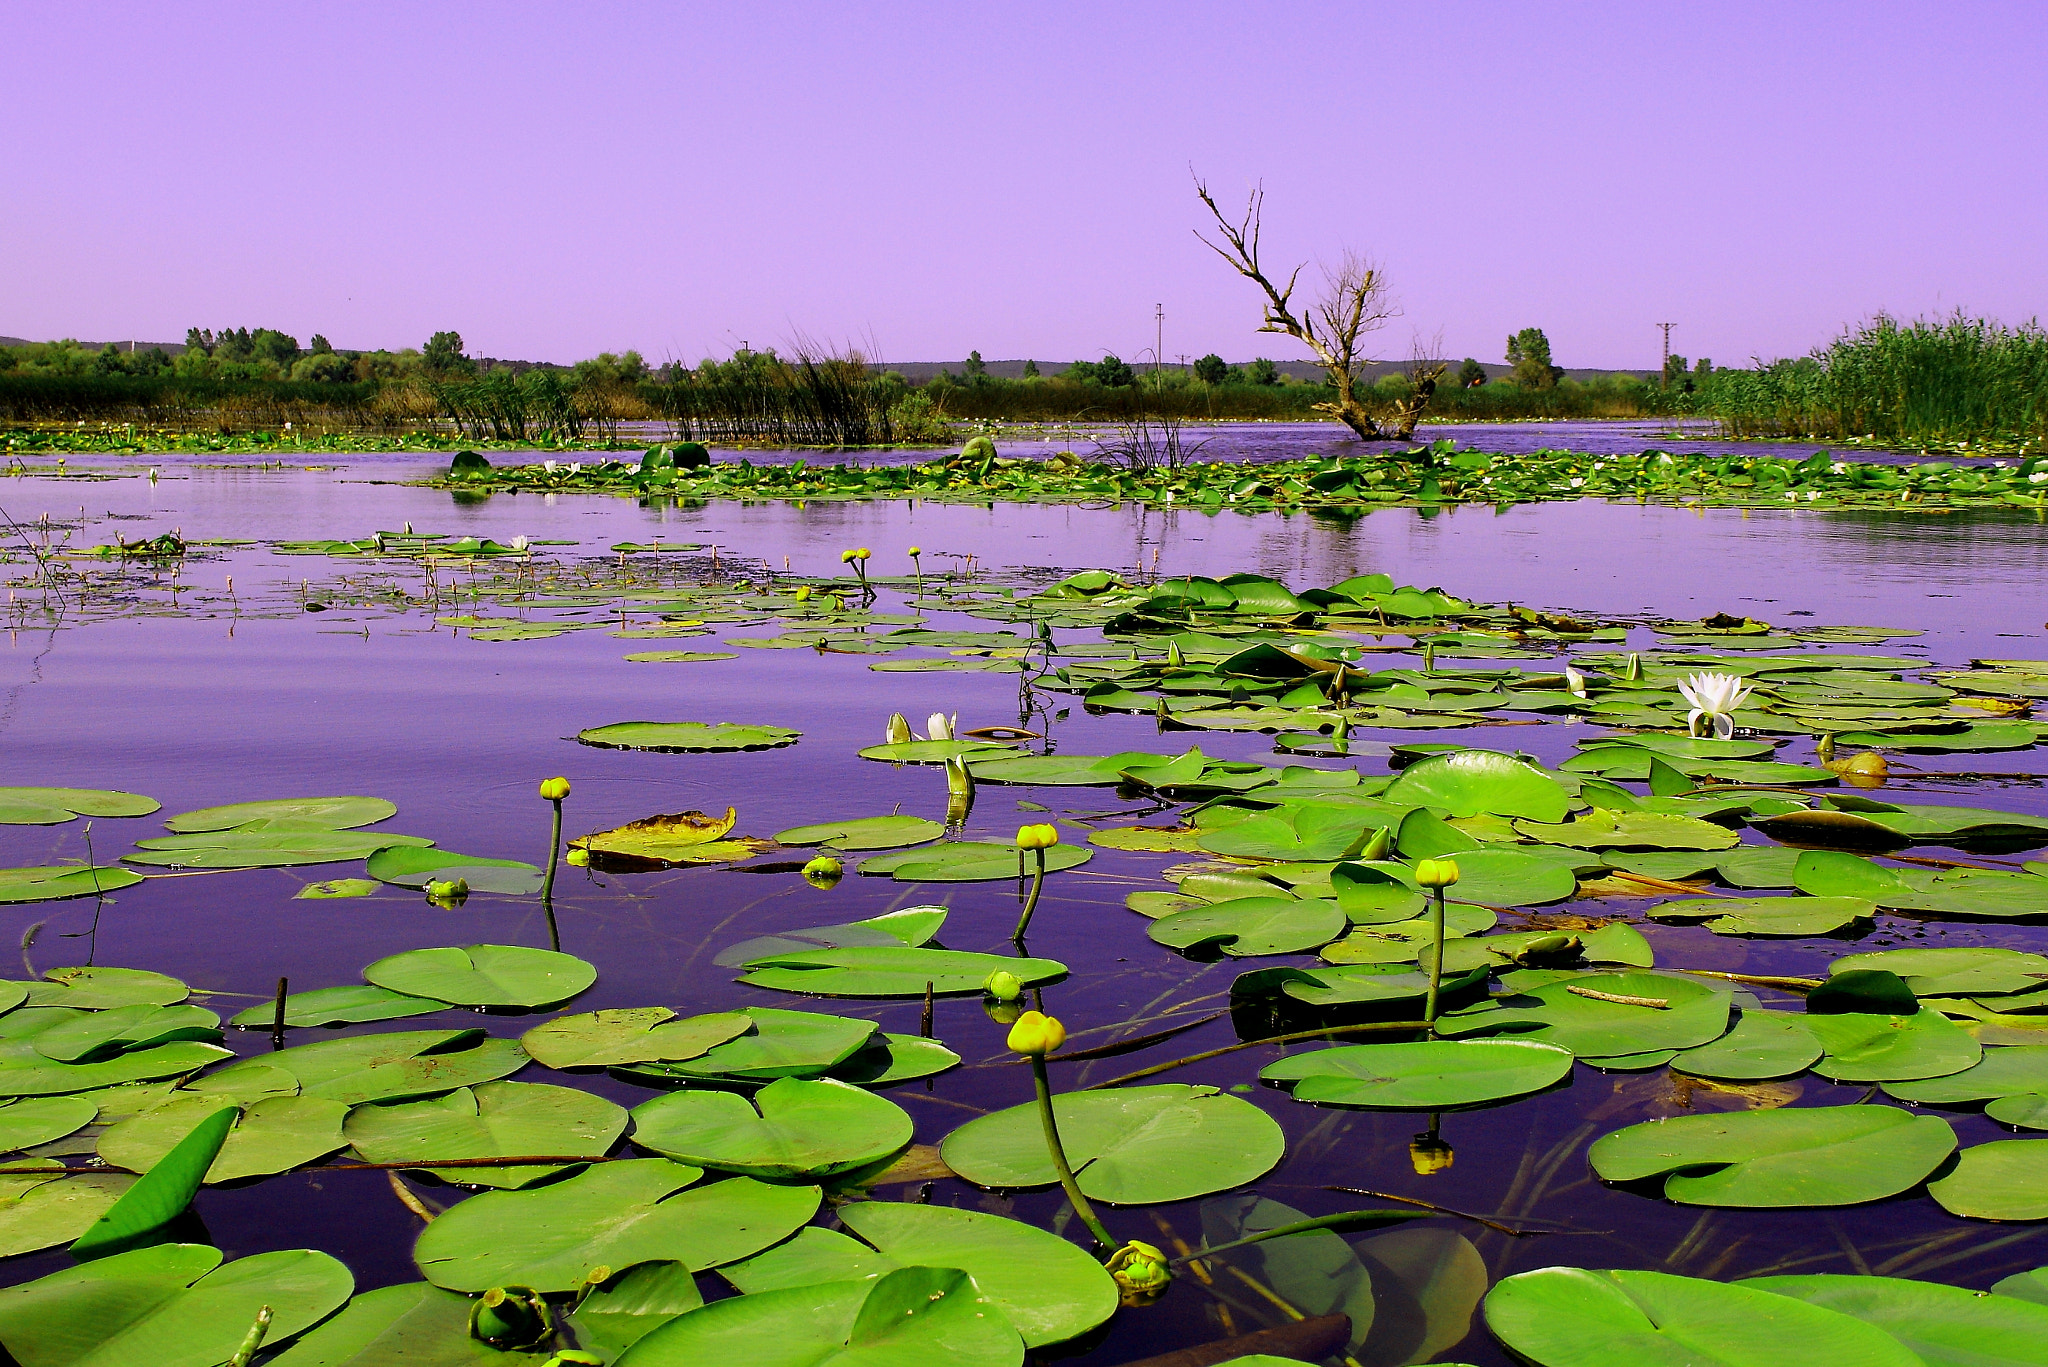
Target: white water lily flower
point(1574, 682)
point(1714, 698)
point(2038, 477)
point(940, 726)
point(574, 466)
point(518, 543)
point(1577, 482)
point(897, 732)
point(548, 466)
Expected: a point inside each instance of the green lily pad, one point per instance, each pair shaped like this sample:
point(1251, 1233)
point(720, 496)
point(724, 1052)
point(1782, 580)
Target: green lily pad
point(679, 657)
point(633, 1304)
point(49, 1078)
point(492, 1120)
point(1374, 894)
point(38, 1120)
point(2010, 1070)
point(887, 1059)
point(1867, 1047)
point(54, 806)
point(970, 861)
point(1943, 1324)
point(803, 1129)
point(910, 1315)
point(1784, 916)
point(56, 882)
point(779, 1044)
point(609, 1215)
point(101, 989)
point(865, 833)
point(1341, 985)
point(173, 1305)
point(1048, 1287)
point(1989, 735)
point(1591, 1027)
point(104, 1034)
point(376, 1067)
point(484, 975)
point(1762, 1044)
point(1571, 1317)
point(414, 1323)
point(882, 971)
point(1249, 926)
point(42, 1212)
point(328, 889)
point(1403, 941)
point(269, 1136)
point(1422, 1076)
point(1962, 972)
point(680, 737)
point(1604, 829)
point(1130, 1146)
point(1792, 1156)
point(911, 926)
point(2025, 1110)
point(1513, 877)
point(1299, 831)
point(411, 866)
point(353, 1005)
point(264, 849)
point(293, 814)
point(2006, 1179)
point(1472, 782)
point(646, 1034)
point(937, 751)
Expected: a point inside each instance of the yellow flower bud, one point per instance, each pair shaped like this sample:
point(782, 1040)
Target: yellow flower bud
point(1429, 1154)
point(453, 891)
point(580, 858)
point(1436, 873)
point(1003, 985)
point(862, 553)
point(511, 1317)
point(1036, 1033)
point(824, 871)
point(554, 789)
point(1140, 1269)
point(803, 593)
point(846, 557)
point(1039, 837)
point(915, 552)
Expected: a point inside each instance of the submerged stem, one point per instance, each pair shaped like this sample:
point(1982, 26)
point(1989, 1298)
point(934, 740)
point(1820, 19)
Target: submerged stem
point(547, 885)
point(1436, 965)
point(1059, 1154)
point(1031, 901)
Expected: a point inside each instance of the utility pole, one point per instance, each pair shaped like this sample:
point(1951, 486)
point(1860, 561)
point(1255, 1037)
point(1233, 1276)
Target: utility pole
point(1159, 335)
point(1664, 375)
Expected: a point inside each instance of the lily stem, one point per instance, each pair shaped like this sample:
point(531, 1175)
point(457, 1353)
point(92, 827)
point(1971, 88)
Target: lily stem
point(1436, 965)
point(1059, 1155)
point(1031, 901)
point(547, 885)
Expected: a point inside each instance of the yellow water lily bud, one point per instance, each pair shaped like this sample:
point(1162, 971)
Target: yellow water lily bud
point(897, 732)
point(915, 552)
point(1040, 837)
point(579, 857)
point(1429, 1154)
point(862, 553)
point(511, 1318)
point(1003, 985)
point(1140, 1269)
point(803, 593)
point(824, 872)
point(554, 789)
point(452, 891)
point(846, 557)
point(1869, 763)
point(1036, 1033)
point(1436, 873)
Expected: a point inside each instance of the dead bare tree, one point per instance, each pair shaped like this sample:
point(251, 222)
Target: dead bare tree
point(1355, 302)
point(1426, 367)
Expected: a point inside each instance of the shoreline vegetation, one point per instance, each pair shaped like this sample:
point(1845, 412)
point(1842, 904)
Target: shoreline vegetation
point(1956, 385)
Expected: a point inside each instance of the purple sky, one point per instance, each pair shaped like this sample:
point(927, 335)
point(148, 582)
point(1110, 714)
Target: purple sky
point(926, 179)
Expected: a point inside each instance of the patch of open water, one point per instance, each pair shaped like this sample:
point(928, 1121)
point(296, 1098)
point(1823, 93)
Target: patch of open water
point(217, 707)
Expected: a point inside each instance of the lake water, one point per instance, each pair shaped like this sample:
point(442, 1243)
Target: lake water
point(237, 697)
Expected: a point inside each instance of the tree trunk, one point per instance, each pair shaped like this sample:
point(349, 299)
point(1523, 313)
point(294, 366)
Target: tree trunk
point(1347, 409)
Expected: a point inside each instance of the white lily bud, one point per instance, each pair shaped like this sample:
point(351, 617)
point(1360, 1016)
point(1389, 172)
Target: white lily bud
point(939, 726)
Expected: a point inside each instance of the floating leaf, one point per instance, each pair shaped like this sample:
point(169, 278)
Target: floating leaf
point(1762, 1044)
point(1131, 1146)
point(1248, 926)
point(2007, 1071)
point(937, 751)
point(1793, 1156)
point(1049, 1288)
point(679, 657)
point(100, 989)
point(1423, 1076)
point(54, 806)
point(333, 888)
point(484, 975)
point(56, 882)
point(882, 971)
point(269, 1136)
point(1783, 916)
point(410, 866)
point(103, 1034)
point(1605, 829)
point(38, 1212)
point(375, 1067)
point(803, 1129)
point(970, 861)
point(1351, 984)
point(49, 1078)
point(1944, 1324)
point(780, 1044)
point(1865, 1047)
point(337, 1006)
point(677, 737)
point(1570, 1317)
point(911, 926)
point(889, 1059)
point(294, 814)
point(1472, 782)
point(1957, 972)
point(264, 849)
point(38, 1120)
point(911, 1315)
point(493, 1120)
point(1595, 1027)
point(633, 1304)
point(603, 1039)
point(162, 1193)
point(2006, 1179)
point(1314, 1271)
point(668, 839)
point(412, 1323)
point(864, 833)
point(608, 1215)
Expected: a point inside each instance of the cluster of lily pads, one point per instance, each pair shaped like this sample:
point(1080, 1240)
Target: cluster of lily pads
point(595, 1219)
point(1434, 474)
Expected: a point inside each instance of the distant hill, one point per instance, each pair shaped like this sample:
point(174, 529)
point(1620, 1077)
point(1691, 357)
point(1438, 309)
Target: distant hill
point(169, 348)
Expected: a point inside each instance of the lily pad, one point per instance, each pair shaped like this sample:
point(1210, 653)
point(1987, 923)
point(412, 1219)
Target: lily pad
point(970, 861)
point(2010, 1070)
point(646, 1034)
point(1762, 1044)
point(1594, 1027)
point(1961, 972)
point(101, 989)
point(668, 839)
point(937, 751)
point(414, 1323)
point(911, 1315)
point(889, 1059)
point(1944, 1324)
point(1048, 1287)
point(173, 1305)
point(780, 1044)
point(1423, 1076)
point(1249, 926)
point(411, 866)
point(609, 1215)
point(882, 971)
point(353, 1005)
point(264, 849)
point(803, 1129)
point(1571, 1317)
point(1783, 916)
point(493, 1120)
point(484, 975)
point(1472, 782)
point(42, 1212)
point(1130, 1146)
point(375, 1067)
point(104, 1034)
point(1605, 829)
point(269, 1136)
point(911, 926)
point(54, 806)
point(56, 882)
point(1866, 1047)
point(2006, 1179)
point(329, 889)
point(633, 1304)
point(286, 814)
point(1791, 1156)
point(38, 1120)
point(49, 1078)
point(865, 833)
point(682, 737)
